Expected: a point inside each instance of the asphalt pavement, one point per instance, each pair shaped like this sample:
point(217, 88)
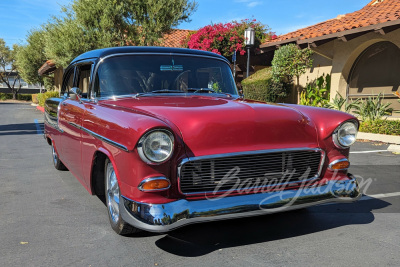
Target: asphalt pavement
point(47, 218)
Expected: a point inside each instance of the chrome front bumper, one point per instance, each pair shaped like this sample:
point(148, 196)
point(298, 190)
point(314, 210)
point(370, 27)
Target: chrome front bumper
point(166, 217)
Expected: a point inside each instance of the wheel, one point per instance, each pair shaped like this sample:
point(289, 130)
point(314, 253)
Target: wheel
point(56, 161)
point(112, 201)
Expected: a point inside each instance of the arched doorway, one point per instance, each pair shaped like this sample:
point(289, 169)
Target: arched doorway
point(376, 70)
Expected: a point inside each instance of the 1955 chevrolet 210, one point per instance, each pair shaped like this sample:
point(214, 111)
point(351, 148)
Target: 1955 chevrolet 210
point(164, 136)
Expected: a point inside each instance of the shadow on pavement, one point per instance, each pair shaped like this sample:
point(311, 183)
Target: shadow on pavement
point(13, 103)
point(200, 239)
point(20, 129)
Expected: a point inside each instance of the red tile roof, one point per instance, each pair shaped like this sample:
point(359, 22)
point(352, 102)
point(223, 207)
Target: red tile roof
point(47, 67)
point(174, 38)
point(376, 12)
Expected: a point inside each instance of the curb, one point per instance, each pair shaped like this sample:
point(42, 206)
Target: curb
point(394, 148)
point(391, 139)
point(40, 108)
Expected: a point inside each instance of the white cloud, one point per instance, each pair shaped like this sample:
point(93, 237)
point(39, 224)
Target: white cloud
point(253, 4)
point(249, 3)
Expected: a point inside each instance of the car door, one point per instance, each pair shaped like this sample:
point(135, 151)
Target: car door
point(70, 121)
point(83, 77)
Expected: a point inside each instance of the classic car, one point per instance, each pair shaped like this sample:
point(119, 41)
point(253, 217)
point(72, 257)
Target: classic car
point(165, 138)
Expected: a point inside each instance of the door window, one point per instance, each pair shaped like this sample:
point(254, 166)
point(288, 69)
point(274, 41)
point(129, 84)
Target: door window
point(84, 79)
point(68, 81)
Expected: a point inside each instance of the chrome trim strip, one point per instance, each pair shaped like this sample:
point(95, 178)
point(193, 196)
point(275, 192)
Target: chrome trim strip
point(102, 138)
point(323, 154)
point(168, 216)
point(337, 161)
point(140, 186)
point(140, 146)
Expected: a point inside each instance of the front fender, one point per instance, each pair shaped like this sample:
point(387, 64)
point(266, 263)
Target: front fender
point(125, 128)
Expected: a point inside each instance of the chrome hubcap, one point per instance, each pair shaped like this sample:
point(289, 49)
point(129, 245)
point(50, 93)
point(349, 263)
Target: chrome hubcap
point(55, 158)
point(112, 193)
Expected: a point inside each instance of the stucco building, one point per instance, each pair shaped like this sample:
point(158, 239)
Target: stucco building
point(360, 50)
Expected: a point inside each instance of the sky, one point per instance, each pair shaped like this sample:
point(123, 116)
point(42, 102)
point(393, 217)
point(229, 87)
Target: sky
point(17, 17)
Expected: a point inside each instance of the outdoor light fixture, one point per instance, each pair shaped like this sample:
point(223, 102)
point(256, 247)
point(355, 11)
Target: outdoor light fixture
point(249, 42)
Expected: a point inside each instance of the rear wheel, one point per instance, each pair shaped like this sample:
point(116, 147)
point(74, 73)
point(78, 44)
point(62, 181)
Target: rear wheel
point(112, 201)
point(56, 160)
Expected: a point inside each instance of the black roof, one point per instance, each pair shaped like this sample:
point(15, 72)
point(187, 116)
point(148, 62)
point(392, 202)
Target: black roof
point(100, 53)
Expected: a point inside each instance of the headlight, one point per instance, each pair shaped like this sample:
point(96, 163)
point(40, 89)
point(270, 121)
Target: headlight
point(346, 134)
point(156, 146)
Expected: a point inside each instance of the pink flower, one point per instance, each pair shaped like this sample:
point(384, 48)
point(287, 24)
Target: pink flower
point(242, 52)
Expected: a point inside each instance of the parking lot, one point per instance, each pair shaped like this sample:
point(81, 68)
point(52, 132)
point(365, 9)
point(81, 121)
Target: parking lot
point(48, 219)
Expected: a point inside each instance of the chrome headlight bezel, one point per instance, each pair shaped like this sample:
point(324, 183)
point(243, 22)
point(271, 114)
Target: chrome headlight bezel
point(337, 139)
point(141, 149)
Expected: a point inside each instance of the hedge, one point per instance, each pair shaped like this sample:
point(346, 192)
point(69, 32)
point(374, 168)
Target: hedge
point(260, 87)
point(43, 96)
point(381, 127)
point(256, 86)
point(24, 97)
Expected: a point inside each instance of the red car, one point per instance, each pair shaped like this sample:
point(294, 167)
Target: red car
point(164, 135)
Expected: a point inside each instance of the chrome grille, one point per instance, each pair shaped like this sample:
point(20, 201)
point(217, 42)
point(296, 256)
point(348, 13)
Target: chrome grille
point(261, 168)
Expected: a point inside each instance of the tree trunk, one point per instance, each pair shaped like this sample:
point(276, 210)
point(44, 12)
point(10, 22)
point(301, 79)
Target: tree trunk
point(298, 89)
point(14, 95)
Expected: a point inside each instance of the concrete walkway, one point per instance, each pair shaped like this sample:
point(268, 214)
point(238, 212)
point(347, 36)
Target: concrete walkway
point(394, 140)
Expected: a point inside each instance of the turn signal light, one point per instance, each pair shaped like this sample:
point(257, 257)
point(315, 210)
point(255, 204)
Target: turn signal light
point(338, 165)
point(154, 184)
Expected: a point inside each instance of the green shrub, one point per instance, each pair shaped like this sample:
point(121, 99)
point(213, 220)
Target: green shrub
point(5, 96)
point(43, 96)
point(340, 103)
point(372, 108)
point(316, 93)
point(24, 97)
point(291, 62)
point(381, 127)
point(261, 87)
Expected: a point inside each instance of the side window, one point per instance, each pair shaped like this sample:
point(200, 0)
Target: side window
point(68, 82)
point(84, 79)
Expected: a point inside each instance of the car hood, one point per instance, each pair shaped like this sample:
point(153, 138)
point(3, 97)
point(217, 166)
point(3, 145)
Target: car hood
point(211, 125)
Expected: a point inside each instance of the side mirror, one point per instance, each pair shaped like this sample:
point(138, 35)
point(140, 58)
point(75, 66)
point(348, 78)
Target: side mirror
point(241, 93)
point(75, 94)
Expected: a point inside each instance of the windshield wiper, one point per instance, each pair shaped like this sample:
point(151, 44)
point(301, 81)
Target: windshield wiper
point(200, 90)
point(163, 91)
point(189, 90)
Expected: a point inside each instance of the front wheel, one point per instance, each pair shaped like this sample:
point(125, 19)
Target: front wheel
point(112, 201)
point(56, 160)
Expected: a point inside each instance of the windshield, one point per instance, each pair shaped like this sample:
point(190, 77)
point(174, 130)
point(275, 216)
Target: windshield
point(123, 75)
